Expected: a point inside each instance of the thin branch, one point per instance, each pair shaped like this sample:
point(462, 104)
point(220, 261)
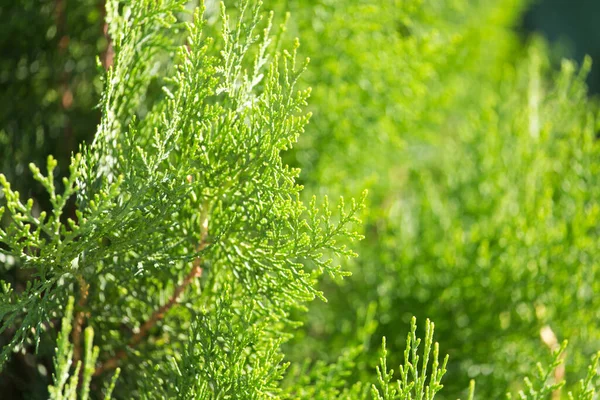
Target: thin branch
point(80, 318)
point(156, 316)
point(109, 53)
point(159, 314)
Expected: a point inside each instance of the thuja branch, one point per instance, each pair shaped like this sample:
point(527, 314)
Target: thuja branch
point(156, 316)
point(159, 313)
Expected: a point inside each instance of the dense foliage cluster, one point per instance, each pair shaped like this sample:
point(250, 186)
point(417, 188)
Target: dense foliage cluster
point(177, 253)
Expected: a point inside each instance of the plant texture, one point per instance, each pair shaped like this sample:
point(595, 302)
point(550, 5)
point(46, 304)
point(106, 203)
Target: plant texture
point(177, 254)
point(479, 157)
point(188, 201)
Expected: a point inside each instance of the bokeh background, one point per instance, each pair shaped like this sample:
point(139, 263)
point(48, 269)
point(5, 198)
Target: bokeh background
point(572, 26)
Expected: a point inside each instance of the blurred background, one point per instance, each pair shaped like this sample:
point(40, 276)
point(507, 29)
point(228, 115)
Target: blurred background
point(573, 26)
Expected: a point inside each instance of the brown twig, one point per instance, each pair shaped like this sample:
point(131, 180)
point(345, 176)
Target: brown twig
point(156, 316)
point(159, 314)
point(108, 53)
point(80, 318)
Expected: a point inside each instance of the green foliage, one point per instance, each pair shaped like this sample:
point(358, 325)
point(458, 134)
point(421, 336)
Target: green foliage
point(413, 378)
point(194, 252)
point(195, 183)
point(66, 384)
point(247, 366)
point(545, 384)
point(542, 387)
point(479, 159)
point(43, 243)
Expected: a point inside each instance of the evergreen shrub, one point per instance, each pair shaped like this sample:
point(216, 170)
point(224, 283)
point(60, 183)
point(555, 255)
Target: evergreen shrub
point(178, 251)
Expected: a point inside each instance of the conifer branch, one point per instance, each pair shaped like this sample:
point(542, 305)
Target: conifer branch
point(157, 315)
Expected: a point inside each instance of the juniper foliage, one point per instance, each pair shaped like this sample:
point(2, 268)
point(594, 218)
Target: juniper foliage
point(181, 251)
point(192, 190)
point(66, 384)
